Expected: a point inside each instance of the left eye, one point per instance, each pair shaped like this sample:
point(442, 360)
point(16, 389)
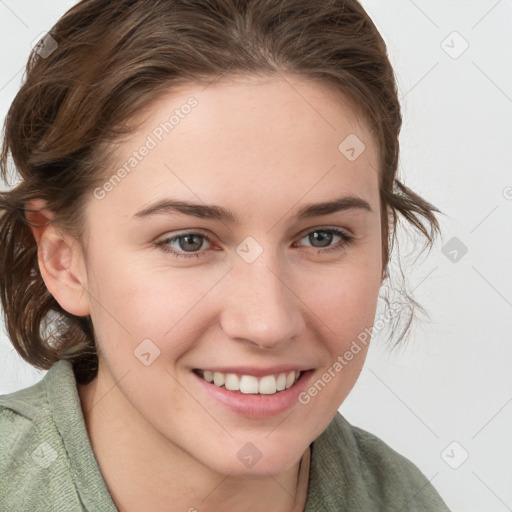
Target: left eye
point(322, 238)
point(190, 244)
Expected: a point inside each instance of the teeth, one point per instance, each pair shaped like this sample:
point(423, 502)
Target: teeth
point(248, 384)
point(231, 382)
point(281, 382)
point(218, 378)
point(267, 385)
point(290, 379)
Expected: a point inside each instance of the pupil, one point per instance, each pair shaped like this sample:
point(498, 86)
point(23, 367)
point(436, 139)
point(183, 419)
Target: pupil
point(325, 237)
point(188, 237)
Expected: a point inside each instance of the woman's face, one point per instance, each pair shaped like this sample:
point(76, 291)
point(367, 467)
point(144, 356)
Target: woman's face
point(239, 283)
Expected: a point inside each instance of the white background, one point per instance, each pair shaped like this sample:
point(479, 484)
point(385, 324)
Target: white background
point(452, 381)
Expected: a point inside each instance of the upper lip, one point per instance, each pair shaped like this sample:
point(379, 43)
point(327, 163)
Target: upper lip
point(258, 372)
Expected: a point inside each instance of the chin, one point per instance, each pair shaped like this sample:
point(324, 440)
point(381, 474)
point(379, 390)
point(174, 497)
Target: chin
point(258, 459)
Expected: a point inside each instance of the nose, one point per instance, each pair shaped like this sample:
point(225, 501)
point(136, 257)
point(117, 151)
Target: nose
point(261, 306)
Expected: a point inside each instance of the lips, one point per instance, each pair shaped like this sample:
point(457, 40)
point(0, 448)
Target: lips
point(248, 401)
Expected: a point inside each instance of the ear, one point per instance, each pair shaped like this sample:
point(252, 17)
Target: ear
point(60, 260)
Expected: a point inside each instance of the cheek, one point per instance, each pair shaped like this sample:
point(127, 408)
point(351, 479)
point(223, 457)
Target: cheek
point(345, 299)
point(133, 301)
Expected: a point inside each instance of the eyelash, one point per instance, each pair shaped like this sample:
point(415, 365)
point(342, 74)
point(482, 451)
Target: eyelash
point(345, 241)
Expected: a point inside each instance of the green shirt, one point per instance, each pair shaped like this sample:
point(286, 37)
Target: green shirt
point(47, 463)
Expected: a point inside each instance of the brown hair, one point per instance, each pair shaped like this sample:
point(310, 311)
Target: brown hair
point(104, 62)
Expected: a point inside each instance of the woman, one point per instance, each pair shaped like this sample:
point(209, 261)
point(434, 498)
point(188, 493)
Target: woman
point(264, 134)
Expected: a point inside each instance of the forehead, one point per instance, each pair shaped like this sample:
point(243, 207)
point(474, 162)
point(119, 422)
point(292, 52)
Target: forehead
point(250, 137)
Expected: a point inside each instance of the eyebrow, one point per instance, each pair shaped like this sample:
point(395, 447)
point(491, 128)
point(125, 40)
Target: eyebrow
point(214, 212)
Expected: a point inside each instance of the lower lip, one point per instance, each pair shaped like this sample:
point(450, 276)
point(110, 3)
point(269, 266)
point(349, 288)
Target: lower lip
point(257, 406)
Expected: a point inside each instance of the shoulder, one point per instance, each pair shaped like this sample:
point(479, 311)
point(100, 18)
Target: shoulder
point(364, 473)
point(382, 464)
point(34, 466)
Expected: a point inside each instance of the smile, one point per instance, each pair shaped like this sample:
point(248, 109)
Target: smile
point(249, 384)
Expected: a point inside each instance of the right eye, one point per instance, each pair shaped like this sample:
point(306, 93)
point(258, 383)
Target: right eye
point(187, 245)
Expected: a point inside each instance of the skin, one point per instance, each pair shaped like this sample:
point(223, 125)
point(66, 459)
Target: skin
point(262, 147)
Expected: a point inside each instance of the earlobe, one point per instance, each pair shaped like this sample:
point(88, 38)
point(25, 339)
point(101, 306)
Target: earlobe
point(60, 260)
